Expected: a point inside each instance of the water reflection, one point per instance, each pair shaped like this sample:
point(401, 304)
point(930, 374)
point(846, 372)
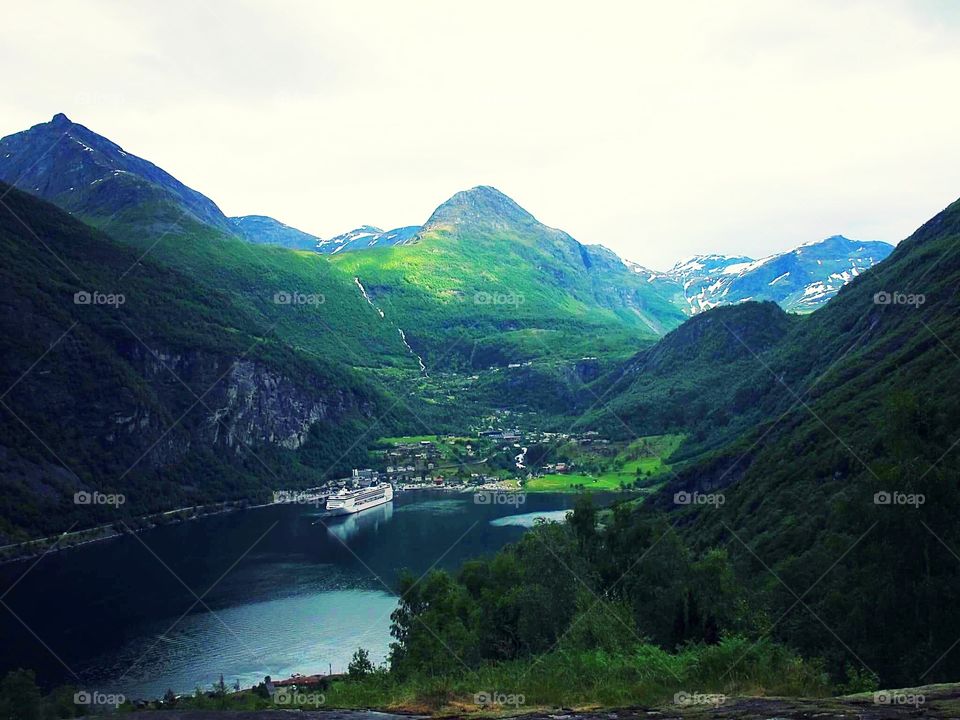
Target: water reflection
point(345, 527)
point(302, 597)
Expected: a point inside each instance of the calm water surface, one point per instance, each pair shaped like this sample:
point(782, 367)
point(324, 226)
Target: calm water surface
point(281, 590)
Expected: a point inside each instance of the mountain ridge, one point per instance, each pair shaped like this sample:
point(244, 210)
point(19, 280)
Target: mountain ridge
point(90, 175)
point(117, 392)
point(366, 237)
point(800, 279)
point(84, 172)
point(263, 229)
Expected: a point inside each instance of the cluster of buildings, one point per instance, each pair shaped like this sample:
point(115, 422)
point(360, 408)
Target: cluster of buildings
point(412, 462)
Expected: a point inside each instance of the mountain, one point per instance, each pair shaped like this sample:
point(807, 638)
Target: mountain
point(817, 431)
point(484, 283)
point(699, 379)
point(90, 176)
point(149, 383)
point(289, 352)
point(800, 280)
point(485, 210)
point(148, 350)
point(185, 231)
point(368, 236)
point(264, 230)
point(428, 305)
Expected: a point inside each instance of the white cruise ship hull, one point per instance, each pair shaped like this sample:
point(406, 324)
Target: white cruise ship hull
point(358, 502)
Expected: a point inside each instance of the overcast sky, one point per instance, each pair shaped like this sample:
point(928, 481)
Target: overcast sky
point(658, 129)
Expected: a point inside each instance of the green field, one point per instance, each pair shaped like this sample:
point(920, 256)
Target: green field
point(406, 439)
point(643, 459)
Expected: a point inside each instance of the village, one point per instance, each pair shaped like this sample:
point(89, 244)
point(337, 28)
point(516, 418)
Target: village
point(506, 459)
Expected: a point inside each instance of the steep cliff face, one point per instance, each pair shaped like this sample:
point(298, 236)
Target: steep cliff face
point(236, 402)
point(169, 393)
point(182, 433)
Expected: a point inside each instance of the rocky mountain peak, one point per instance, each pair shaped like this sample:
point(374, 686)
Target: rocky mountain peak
point(481, 207)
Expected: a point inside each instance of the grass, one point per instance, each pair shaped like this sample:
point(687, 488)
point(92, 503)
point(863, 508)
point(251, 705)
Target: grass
point(573, 481)
point(642, 459)
point(636, 674)
point(406, 439)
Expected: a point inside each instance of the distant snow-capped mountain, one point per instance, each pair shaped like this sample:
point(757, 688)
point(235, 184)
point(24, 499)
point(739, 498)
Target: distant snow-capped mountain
point(800, 280)
point(367, 236)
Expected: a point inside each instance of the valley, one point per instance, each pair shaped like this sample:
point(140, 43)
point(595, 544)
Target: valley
point(628, 481)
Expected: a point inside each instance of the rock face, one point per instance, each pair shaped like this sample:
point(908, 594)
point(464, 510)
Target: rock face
point(481, 208)
point(160, 396)
point(236, 403)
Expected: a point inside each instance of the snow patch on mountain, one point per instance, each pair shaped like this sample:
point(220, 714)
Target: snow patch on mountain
point(368, 236)
point(800, 280)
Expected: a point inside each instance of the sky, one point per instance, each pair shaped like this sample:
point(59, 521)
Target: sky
point(660, 130)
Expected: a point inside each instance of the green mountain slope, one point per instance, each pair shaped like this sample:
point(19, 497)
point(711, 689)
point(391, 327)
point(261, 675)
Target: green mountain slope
point(828, 410)
point(883, 419)
point(700, 379)
point(171, 224)
point(484, 283)
point(148, 383)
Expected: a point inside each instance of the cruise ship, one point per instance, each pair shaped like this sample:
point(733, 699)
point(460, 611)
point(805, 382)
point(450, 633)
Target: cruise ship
point(347, 502)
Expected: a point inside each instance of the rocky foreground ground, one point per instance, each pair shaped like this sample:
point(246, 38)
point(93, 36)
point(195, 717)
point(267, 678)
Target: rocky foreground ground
point(939, 702)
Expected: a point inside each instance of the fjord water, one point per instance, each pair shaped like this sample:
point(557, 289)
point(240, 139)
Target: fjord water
point(267, 591)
